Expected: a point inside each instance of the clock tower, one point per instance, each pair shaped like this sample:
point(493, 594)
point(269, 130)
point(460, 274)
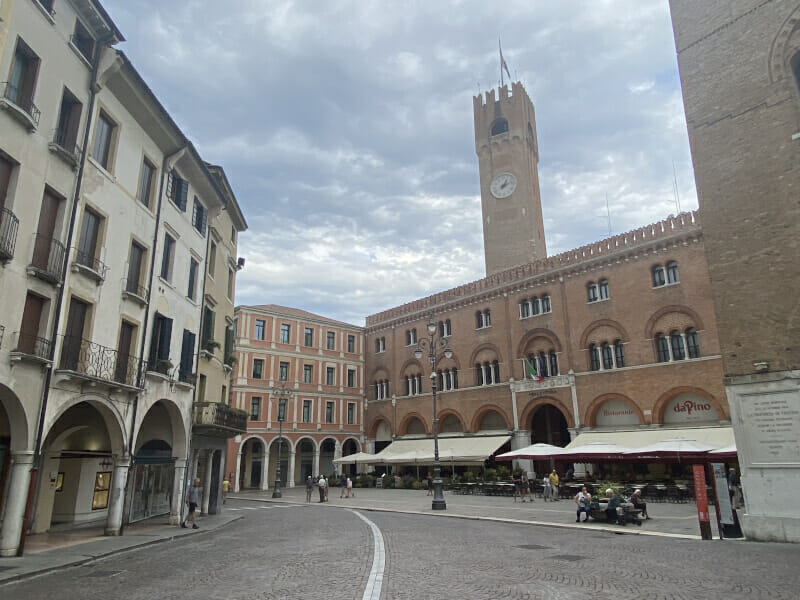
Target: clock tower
point(508, 155)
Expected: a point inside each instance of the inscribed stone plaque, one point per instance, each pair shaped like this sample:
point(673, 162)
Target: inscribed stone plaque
point(772, 422)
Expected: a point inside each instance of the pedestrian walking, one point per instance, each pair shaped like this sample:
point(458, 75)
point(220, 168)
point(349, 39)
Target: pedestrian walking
point(584, 501)
point(526, 488)
point(429, 483)
point(342, 485)
point(547, 489)
point(554, 484)
point(349, 487)
point(192, 500)
point(309, 488)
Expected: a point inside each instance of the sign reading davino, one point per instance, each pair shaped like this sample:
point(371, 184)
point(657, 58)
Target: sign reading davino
point(616, 412)
point(689, 408)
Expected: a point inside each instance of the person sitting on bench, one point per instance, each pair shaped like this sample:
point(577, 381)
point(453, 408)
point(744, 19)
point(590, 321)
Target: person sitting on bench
point(638, 503)
point(613, 502)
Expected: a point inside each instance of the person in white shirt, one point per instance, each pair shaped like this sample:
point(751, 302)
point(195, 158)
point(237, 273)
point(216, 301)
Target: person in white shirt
point(321, 485)
point(547, 492)
point(584, 501)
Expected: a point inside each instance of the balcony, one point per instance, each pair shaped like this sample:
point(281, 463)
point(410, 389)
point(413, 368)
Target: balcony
point(66, 149)
point(32, 348)
point(20, 108)
point(218, 420)
point(133, 291)
point(9, 224)
point(84, 359)
point(187, 377)
point(48, 259)
point(90, 266)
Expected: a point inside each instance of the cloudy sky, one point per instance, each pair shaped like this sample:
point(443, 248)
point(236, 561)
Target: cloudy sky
point(346, 129)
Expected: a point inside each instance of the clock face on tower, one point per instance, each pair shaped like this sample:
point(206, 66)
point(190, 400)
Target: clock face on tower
point(503, 185)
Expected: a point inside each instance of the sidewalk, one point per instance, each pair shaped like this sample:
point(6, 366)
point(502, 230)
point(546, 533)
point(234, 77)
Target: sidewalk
point(52, 551)
point(668, 519)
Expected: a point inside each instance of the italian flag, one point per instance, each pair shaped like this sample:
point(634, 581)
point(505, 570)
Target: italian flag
point(532, 370)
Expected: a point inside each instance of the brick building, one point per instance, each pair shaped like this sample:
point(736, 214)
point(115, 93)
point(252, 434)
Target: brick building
point(739, 64)
point(317, 366)
point(623, 330)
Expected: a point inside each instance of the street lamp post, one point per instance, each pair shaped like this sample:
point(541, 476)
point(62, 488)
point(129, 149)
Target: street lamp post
point(434, 342)
point(283, 395)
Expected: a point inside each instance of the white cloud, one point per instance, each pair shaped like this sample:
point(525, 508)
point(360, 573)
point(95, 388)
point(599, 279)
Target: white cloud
point(346, 129)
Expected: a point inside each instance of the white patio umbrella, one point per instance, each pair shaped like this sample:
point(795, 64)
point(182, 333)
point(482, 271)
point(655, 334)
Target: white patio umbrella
point(537, 451)
point(725, 452)
point(359, 458)
point(589, 453)
point(671, 448)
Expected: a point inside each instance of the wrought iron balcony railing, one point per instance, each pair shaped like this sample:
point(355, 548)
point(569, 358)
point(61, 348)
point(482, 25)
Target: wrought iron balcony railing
point(133, 288)
point(98, 362)
point(161, 365)
point(48, 257)
point(24, 102)
point(216, 418)
point(9, 225)
point(187, 377)
point(88, 261)
point(32, 345)
point(65, 144)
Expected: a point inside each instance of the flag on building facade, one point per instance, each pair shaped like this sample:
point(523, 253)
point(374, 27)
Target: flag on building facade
point(503, 64)
point(531, 369)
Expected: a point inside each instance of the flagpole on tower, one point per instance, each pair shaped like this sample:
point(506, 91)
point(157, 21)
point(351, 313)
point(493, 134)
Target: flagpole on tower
point(503, 64)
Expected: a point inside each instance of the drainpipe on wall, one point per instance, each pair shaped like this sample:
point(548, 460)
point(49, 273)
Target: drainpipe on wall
point(33, 493)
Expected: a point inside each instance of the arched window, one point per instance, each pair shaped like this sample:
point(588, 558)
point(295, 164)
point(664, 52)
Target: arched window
point(536, 306)
point(414, 336)
point(603, 289)
point(478, 320)
point(478, 374)
point(444, 328)
point(524, 309)
point(408, 337)
point(495, 372)
point(499, 126)
point(545, 303)
point(672, 272)
point(591, 291)
point(662, 348)
point(676, 341)
point(620, 352)
point(440, 381)
point(608, 356)
point(553, 363)
point(487, 318)
point(594, 358)
point(658, 276)
point(692, 345)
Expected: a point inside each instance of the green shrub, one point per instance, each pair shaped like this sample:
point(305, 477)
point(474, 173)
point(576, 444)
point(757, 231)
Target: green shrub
point(388, 482)
point(491, 474)
point(407, 482)
point(618, 488)
point(503, 472)
point(417, 485)
point(365, 481)
point(468, 477)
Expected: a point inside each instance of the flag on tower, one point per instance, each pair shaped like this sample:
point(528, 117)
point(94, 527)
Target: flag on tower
point(503, 64)
point(532, 370)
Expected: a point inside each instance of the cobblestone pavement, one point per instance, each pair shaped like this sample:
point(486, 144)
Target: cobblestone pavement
point(289, 551)
point(667, 517)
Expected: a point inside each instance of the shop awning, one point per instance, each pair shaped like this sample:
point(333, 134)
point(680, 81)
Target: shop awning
point(461, 450)
point(717, 437)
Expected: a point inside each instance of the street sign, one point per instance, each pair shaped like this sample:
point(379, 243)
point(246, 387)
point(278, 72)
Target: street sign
point(701, 497)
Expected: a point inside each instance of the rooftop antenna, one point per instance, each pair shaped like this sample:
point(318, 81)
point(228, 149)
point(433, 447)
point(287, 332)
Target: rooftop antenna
point(675, 188)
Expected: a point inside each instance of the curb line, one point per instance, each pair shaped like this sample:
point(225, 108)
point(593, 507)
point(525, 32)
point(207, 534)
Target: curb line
point(85, 561)
point(603, 528)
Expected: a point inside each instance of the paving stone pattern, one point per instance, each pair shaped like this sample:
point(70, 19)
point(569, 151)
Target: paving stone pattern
point(290, 551)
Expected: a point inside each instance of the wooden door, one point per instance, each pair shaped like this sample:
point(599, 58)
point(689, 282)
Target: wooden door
point(5, 176)
point(29, 329)
point(73, 335)
point(45, 231)
point(124, 370)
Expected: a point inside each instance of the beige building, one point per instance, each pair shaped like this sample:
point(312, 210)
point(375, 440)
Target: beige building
point(299, 376)
point(739, 63)
point(215, 420)
point(103, 242)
